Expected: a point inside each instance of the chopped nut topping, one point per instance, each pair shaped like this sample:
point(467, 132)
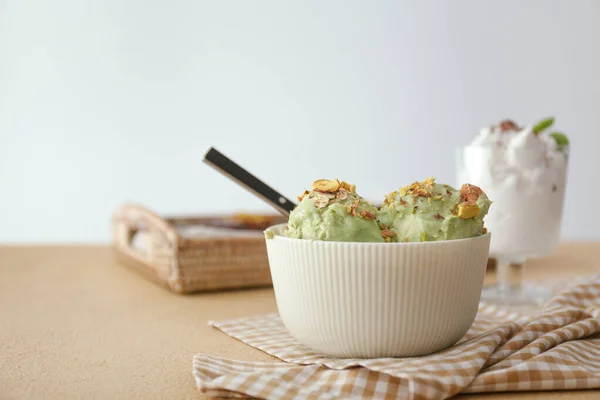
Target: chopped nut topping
point(448, 192)
point(326, 185)
point(470, 193)
point(367, 214)
point(386, 233)
point(419, 189)
point(438, 216)
point(353, 209)
point(321, 202)
point(348, 208)
point(301, 197)
point(508, 125)
point(389, 198)
point(429, 181)
point(342, 194)
point(468, 210)
point(348, 187)
point(484, 230)
point(403, 202)
point(384, 226)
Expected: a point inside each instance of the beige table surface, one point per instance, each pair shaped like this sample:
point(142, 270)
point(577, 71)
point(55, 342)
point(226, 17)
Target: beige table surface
point(74, 324)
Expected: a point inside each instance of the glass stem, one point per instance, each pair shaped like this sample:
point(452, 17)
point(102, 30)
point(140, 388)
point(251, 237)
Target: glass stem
point(509, 275)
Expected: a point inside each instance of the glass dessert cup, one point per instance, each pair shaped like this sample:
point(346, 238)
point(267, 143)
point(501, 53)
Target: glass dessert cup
point(524, 219)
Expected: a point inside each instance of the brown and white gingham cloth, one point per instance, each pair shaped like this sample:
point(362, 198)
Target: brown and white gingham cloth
point(557, 349)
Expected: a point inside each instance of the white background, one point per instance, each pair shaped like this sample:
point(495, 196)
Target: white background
point(109, 101)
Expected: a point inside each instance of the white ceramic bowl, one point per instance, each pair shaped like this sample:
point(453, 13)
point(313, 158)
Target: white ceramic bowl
point(370, 300)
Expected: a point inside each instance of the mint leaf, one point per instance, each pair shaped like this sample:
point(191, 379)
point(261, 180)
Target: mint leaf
point(543, 124)
point(560, 138)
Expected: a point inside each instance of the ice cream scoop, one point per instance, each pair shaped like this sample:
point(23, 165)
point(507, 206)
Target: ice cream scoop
point(333, 211)
point(428, 211)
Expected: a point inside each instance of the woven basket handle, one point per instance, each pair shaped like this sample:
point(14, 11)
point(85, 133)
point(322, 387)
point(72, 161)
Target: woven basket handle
point(130, 219)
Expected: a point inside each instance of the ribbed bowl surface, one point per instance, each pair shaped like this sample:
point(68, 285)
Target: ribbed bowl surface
point(369, 300)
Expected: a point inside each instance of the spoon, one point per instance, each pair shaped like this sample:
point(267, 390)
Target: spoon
point(230, 169)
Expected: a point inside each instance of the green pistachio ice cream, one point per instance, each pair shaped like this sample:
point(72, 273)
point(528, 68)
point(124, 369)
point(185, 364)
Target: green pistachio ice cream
point(427, 211)
point(423, 211)
point(332, 211)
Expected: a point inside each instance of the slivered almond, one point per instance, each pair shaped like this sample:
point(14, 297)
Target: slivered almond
point(342, 194)
point(387, 232)
point(348, 187)
point(326, 185)
point(353, 210)
point(367, 214)
point(301, 197)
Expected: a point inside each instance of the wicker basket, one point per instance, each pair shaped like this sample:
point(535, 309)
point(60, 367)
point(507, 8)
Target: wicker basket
point(195, 254)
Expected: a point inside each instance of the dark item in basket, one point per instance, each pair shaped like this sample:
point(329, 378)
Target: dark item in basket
point(238, 221)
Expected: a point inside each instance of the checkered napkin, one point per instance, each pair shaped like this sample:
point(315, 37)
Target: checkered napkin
point(557, 349)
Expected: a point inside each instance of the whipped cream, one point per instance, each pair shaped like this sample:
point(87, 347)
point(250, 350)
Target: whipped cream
point(524, 174)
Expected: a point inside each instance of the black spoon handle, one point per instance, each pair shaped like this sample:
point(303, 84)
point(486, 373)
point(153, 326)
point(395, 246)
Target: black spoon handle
point(221, 163)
